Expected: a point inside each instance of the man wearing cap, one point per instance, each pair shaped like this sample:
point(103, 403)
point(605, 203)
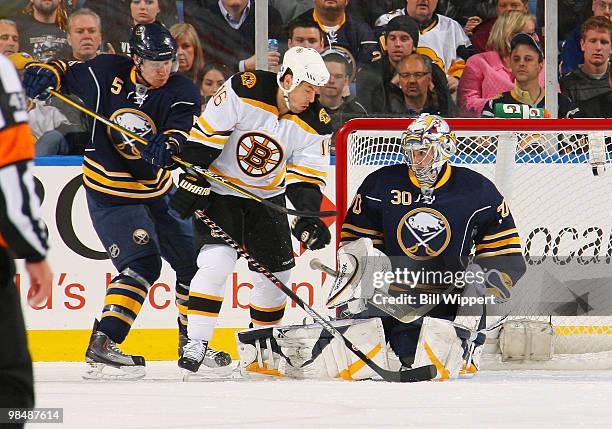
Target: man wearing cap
point(377, 81)
point(526, 62)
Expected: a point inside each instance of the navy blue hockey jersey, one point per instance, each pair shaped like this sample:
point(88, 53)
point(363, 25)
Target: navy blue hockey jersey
point(465, 215)
point(112, 167)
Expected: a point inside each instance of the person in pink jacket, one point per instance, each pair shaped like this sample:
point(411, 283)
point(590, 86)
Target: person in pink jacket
point(488, 74)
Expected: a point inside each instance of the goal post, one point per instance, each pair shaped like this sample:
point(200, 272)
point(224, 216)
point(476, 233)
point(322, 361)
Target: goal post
point(553, 174)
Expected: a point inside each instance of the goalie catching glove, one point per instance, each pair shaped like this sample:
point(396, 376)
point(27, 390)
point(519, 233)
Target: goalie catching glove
point(193, 194)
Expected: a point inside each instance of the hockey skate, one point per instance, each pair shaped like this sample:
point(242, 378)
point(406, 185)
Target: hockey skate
point(105, 361)
point(197, 353)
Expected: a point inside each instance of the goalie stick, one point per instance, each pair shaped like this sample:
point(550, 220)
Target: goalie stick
point(423, 373)
point(194, 169)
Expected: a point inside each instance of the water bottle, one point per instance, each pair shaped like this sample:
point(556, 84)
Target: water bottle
point(273, 47)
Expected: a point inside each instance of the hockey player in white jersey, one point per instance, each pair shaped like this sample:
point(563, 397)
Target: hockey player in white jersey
point(267, 133)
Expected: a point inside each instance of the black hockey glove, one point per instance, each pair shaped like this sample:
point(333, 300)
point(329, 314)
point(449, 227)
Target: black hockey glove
point(312, 232)
point(192, 194)
point(159, 150)
point(37, 79)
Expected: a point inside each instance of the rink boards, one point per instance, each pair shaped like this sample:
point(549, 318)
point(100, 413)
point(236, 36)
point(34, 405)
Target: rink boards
point(59, 330)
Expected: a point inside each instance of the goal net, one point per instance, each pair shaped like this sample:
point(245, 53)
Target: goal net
point(557, 178)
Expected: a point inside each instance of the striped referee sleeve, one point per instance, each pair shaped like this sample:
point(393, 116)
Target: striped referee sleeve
point(21, 228)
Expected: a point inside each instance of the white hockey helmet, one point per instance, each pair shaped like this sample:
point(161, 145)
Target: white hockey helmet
point(429, 132)
point(306, 65)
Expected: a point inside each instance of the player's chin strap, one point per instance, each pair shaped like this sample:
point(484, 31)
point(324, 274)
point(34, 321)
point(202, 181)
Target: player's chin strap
point(194, 169)
point(423, 373)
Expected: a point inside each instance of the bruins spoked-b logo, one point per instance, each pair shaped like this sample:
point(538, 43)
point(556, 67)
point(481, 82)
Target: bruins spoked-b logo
point(132, 120)
point(258, 154)
point(423, 233)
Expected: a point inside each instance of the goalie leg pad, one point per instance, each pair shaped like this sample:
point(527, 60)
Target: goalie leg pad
point(310, 352)
point(440, 345)
point(259, 355)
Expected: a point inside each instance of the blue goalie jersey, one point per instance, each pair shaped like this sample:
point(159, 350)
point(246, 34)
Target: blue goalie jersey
point(112, 167)
point(464, 217)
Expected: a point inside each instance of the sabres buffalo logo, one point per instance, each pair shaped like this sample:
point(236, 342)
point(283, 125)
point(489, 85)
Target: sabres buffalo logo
point(132, 120)
point(258, 154)
point(423, 233)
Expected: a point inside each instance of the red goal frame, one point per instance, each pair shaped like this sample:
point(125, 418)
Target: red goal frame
point(399, 124)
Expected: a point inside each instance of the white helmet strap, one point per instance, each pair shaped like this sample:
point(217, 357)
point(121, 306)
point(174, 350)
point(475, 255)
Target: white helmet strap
point(286, 92)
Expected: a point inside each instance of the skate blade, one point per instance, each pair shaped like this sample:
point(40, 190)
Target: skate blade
point(102, 371)
point(210, 374)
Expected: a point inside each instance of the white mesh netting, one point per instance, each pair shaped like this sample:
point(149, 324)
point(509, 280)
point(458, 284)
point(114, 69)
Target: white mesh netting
point(563, 212)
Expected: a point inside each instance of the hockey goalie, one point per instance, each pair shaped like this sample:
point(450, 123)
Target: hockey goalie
point(427, 249)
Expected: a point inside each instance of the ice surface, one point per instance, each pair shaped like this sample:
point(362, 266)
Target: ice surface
point(491, 400)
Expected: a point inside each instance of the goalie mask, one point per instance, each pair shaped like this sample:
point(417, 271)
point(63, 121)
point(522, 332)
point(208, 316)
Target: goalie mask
point(305, 65)
point(427, 144)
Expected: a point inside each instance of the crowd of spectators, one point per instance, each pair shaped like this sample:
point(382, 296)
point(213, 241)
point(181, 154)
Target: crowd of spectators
point(456, 58)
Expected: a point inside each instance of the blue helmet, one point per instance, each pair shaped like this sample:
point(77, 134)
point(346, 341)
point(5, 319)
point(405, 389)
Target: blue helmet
point(153, 42)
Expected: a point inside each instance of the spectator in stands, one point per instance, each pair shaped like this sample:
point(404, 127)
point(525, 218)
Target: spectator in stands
point(84, 34)
point(417, 91)
point(9, 37)
point(227, 31)
point(589, 85)
point(480, 34)
point(341, 29)
point(442, 38)
point(307, 34)
point(141, 12)
point(42, 29)
point(290, 9)
point(571, 13)
point(190, 53)
point(368, 11)
point(333, 96)
point(212, 78)
point(377, 81)
point(571, 54)
point(488, 74)
point(526, 63)
point(116, 22)
point(468, 13)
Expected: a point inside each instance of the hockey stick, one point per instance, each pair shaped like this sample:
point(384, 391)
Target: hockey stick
point(423, 373)
point(194, 169)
